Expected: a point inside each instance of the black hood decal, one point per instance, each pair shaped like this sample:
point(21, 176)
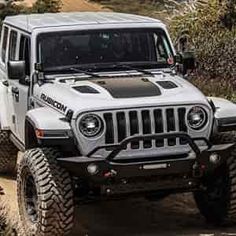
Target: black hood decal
point(129, 88)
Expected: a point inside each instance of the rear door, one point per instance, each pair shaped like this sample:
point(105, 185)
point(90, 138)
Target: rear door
point(19, 49)
point(6, 102)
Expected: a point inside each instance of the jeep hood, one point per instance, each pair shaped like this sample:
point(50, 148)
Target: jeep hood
point(85, 94)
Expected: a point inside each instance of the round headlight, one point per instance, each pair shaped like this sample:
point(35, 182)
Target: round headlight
point(90, 125)
point(197, 118)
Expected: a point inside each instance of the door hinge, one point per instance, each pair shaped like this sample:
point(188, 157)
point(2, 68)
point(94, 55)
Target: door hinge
point(13, 119)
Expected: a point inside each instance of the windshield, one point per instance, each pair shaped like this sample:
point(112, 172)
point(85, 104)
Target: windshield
point(133, 46)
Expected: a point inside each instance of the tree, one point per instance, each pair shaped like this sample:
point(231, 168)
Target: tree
point(42, 6)
point(11, 8)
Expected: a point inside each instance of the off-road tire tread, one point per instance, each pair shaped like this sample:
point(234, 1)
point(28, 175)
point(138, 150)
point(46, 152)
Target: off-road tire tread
point(55, 192)
point(8, 153)
point(230, 216)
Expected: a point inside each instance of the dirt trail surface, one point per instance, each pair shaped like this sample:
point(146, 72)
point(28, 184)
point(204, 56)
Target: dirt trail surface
point(176, 215)
point(81, 5)
point(75, 5)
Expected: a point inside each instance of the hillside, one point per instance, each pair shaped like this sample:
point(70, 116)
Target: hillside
point(75, 5)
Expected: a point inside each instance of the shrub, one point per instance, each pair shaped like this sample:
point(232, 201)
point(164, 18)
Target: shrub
point(11, 9)
point(42, 6)
point(160, 9)
point(216, 87)
point(214, 44)
point(211, 32)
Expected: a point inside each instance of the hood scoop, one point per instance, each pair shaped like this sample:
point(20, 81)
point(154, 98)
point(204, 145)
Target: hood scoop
point(129, 88)
point(86, 89)
point(167, 84)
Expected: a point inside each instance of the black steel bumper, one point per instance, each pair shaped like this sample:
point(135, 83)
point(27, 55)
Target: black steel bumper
point(147, 174)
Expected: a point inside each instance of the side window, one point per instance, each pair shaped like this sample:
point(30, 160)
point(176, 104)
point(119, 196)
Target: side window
point(4, 43)
point(25, 52)
point(12, 45)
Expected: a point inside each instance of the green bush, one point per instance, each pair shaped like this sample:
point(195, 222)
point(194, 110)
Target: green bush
point(211, 32)
point(42, 6)
point(214, 44)
point(12, 9)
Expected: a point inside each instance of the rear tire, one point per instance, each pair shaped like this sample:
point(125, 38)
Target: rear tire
point(217, 203)
point(8, 153)
point(45, 195)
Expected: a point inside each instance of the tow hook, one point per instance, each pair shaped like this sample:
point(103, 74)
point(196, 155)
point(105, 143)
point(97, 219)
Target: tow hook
point(198, 170)
point(110, 174)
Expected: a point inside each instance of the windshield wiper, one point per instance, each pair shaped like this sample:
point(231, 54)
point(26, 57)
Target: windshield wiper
point(84, 72)
point(72, 69)
point(125, 66)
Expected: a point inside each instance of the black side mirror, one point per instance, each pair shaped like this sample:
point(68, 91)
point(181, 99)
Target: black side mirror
point(179, 58)
point(16, 70)
point(187, 60)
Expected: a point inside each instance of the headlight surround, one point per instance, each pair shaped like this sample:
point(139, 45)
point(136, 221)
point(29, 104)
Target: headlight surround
point(197, 118)
point(90, 125)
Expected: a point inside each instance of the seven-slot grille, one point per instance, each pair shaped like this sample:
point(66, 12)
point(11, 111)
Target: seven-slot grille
point(122, 124)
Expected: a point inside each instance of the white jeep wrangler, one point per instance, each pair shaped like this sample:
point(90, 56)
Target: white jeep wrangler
point(94, 102)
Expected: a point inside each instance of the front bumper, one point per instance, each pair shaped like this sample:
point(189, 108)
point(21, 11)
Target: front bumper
point(149, 174)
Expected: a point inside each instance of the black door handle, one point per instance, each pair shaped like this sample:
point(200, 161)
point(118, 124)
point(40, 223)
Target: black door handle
point(6, 83)
point(15, 90)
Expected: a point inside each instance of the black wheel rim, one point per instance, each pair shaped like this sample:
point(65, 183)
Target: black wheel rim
point(30, 197)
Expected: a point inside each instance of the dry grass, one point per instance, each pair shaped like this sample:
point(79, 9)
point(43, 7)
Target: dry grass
point(161, 9)
point(217, 87)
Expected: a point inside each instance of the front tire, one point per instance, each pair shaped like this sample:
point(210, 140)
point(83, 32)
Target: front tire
point(217, 202)
point(45, 195)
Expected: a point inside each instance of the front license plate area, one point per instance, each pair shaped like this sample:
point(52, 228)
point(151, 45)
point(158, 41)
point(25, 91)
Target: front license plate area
point(155, 166)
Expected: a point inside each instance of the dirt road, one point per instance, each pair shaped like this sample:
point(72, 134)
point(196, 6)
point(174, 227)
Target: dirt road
point(176, 215)
point(80, 5)
point(75, 5)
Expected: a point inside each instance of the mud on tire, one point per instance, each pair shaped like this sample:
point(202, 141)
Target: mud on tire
point(8, 153)
point(217, 203)
point(45, 195)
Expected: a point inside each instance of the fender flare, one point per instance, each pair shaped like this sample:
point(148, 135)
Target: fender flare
point(54, 129)
point(225, 114)
point(45, 118)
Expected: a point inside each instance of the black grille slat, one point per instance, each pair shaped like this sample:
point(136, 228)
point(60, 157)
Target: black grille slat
point(158, 126)
point(158, 121)
point(133, 117)
point(121, 126)
point(134, 127)
point(182, 124)
point(170, 119)
point(109, 136)
point(146, 120)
